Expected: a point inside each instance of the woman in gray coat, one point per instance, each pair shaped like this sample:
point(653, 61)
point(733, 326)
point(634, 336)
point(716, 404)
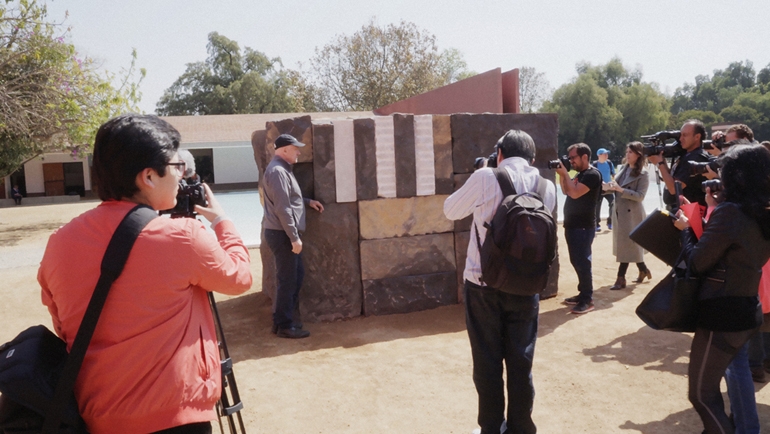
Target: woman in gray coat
point(630, 187)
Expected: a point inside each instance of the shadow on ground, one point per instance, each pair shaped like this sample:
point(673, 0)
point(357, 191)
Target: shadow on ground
point(10, 236)
point(247, 320)
point(686, 421)
point(662, 351)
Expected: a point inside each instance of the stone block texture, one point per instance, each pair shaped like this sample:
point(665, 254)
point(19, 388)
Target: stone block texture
point(442, 154)
point(409, 293)
point(387, 218)
point(366, 159)
point(324, 179)
point(299, 127)
point(409, 256)
point(403, 133)
point(461, 253)
point(332, 288)
point(463, 224)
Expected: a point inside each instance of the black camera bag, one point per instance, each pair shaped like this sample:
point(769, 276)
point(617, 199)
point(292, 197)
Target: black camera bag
point(37, 376)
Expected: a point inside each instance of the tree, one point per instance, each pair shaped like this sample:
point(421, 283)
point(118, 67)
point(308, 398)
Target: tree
point(50, 99)
point(377, 66)
point(607, 106)
point(534, 89)
point(229, 82)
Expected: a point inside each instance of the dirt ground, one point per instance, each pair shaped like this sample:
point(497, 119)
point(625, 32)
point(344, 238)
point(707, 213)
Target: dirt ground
point(603, 372)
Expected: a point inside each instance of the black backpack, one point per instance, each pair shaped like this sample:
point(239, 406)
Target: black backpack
point(520, 244)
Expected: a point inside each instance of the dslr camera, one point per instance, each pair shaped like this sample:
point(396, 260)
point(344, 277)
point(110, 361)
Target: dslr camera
point(564, 161)
point(714, 184)
point(490, 161)
point(186, 198)
point(654, 144)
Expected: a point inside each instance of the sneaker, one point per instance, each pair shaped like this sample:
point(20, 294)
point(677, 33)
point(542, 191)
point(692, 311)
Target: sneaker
point(598, 229)
point(572, 300)
point(583, 307)
point(292, 333)
point(609, 226)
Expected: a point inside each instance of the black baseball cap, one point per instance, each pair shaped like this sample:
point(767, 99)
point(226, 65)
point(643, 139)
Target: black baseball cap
point(286, 140)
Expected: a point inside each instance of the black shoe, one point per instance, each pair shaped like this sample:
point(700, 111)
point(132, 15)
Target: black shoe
point(274, 329)
point(758, 374)
point(572, 300)
point(292, 333)
point(583, 307)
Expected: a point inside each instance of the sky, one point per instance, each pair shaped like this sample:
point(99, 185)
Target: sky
point(670, 41)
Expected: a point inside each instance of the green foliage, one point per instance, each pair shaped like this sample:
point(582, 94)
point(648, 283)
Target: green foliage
point(707, 117)
point(607, 106)
point(51, 99)
point(231, 82)
point(534, 89)
point(377, 66)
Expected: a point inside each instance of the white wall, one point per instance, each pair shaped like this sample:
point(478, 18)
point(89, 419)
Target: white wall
point(233, 163)
point(33, 171)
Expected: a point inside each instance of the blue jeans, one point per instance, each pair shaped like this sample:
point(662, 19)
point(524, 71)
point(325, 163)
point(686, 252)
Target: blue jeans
point(579, 246)
point(289, 272)
point(740, 390)
point(502, 327)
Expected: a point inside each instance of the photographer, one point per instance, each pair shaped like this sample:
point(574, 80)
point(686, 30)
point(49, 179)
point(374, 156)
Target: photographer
point(692, 134)
point(501, 326)
point(580, 221)
point(153, 363)
point(728, 258)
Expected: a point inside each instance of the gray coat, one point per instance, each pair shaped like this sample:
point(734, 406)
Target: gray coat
point(628, 212)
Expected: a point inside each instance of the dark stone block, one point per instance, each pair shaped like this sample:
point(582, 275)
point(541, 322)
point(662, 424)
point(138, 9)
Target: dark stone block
point(409, 293)
point(258, 144)
point(553, 279)
point(324, 178)
point(442, 154)
point(269, 282)
point(475, 135)
point(332, 287)
point(304, 174)
point(366, 159)
point(299, 127)
point(464, 224)
point(403, 135)
point(461, 253)
point(408, 256)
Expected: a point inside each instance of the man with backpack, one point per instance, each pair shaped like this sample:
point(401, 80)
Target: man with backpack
point(502, 324)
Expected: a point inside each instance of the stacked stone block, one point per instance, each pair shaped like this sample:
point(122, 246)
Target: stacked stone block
point(383, 244)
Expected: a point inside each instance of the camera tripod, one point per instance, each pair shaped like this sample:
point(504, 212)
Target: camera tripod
point(225, 410)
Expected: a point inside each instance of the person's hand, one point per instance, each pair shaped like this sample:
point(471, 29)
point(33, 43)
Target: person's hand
point(655, 159)
point(562, 171)
point(296, 247)
point(683, 200)
point(716, 135)
point(316, 205)
point(710, 174)
point(712, 199)
point(213, 210)
point(681, 221)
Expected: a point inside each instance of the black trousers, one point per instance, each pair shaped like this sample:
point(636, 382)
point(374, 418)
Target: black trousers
point(290, 272)
point(190, 428)
point(502, 327)
point(710, 355)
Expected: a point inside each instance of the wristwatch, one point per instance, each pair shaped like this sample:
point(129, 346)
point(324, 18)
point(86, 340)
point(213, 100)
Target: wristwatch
point(661, 163)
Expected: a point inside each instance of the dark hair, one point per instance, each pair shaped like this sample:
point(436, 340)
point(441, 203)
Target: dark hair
point(742, 131)
point(636, 148)
point(581, 148)
point(746, 178)
point(126, 145)
point(699, 128)
point(517, 143)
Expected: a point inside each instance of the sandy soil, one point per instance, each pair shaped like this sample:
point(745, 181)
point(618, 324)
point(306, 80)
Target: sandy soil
point(603, 372)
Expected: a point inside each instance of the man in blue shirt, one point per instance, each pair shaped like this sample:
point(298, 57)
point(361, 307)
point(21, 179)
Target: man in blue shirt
point(607, 169)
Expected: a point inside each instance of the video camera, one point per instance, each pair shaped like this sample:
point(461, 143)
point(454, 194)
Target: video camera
point(564, 161)
point(656, 143)
point(186, 198)
point(490, 161)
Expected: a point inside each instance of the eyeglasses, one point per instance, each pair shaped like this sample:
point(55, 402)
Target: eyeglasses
point(181, 166)
point(572, 157)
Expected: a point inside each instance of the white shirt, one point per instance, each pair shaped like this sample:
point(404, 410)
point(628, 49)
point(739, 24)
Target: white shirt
point(481, 195)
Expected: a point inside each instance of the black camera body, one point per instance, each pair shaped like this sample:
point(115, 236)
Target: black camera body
point(490, 161)
point(186, 198)
point(656, 143)
point(714, 184)
point(564, 161)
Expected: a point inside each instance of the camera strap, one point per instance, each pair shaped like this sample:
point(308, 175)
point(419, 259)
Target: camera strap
point(114, 260)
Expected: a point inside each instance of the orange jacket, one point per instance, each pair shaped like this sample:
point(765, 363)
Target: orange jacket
point(153, 362)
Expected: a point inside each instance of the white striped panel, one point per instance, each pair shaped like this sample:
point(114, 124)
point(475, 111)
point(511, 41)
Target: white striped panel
point(345, 160)
point(425, 170)
point(385, 153)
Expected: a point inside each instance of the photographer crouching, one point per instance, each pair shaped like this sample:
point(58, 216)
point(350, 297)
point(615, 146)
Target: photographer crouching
point(690, 138)
point(153, 364)
point(728, 258)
